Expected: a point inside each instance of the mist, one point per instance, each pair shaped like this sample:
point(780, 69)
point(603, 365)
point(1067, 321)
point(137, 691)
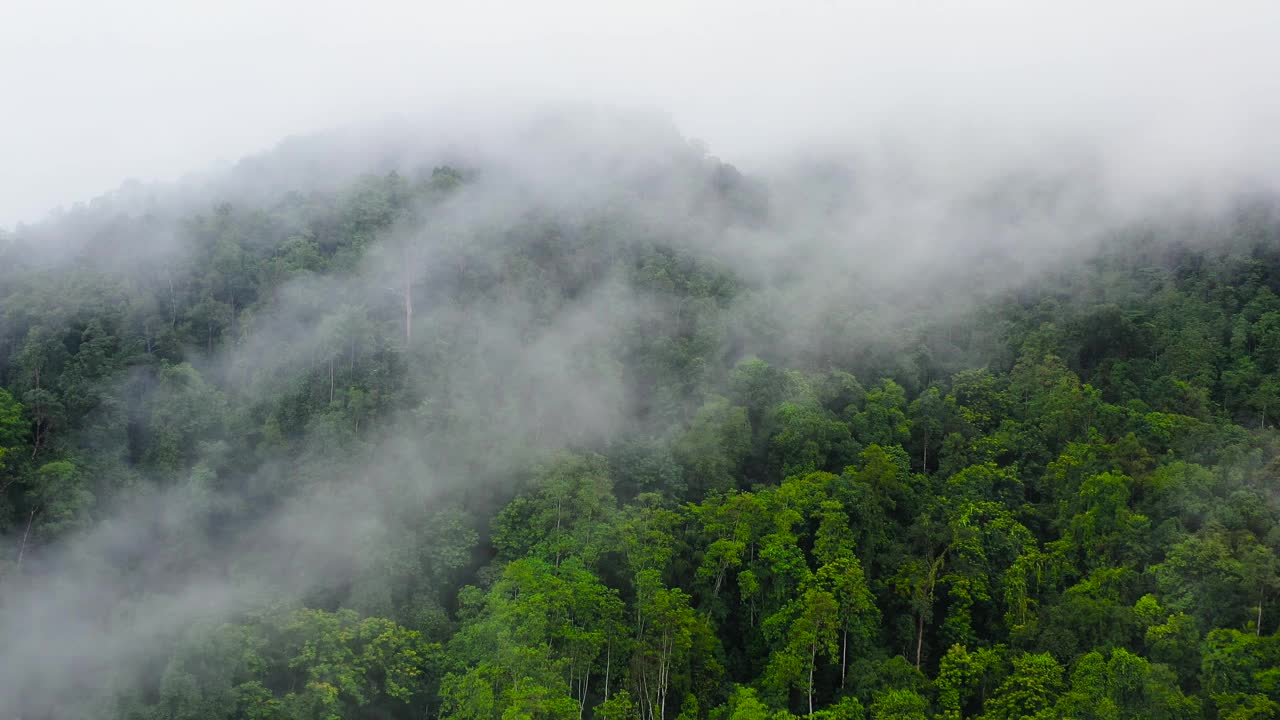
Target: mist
point(153, 91)
point(482, 237)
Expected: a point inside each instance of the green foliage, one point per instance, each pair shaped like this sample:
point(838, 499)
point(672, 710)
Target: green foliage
point(58, 497)
point(1030, 691)
point(301, 664)
point(565, 488)
point(12, 429)
point(570, 512)
point(899, 705)
point(183, 410)
point(712, 450)
point(618, 707)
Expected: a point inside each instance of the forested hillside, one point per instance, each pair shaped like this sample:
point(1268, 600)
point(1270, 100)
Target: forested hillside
point(452, 441)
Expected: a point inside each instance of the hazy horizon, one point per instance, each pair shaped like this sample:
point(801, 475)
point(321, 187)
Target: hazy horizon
point(150, 91)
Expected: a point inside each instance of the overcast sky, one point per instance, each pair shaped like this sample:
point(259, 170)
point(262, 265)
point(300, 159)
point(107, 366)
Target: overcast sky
point(92, 93)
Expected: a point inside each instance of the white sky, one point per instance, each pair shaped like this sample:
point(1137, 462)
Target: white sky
point(94, 92)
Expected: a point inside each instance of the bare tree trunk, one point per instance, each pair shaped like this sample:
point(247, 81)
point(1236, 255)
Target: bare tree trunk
point(1258, 629)
point(330, 379)
point(844, 655)
point(813, 660)
point(664, 673)
point(919, 638)
point(408, 310)
point(608, 658)
point(23, 548)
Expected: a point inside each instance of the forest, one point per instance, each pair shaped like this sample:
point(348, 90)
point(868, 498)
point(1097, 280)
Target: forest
point(437, 440)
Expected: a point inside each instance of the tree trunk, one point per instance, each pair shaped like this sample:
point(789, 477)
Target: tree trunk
point(408, 310)
point(919, 638)
point(23, 548)
point(608, 658)
point(813, 660)
point(844, 655)
point(924, 458)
